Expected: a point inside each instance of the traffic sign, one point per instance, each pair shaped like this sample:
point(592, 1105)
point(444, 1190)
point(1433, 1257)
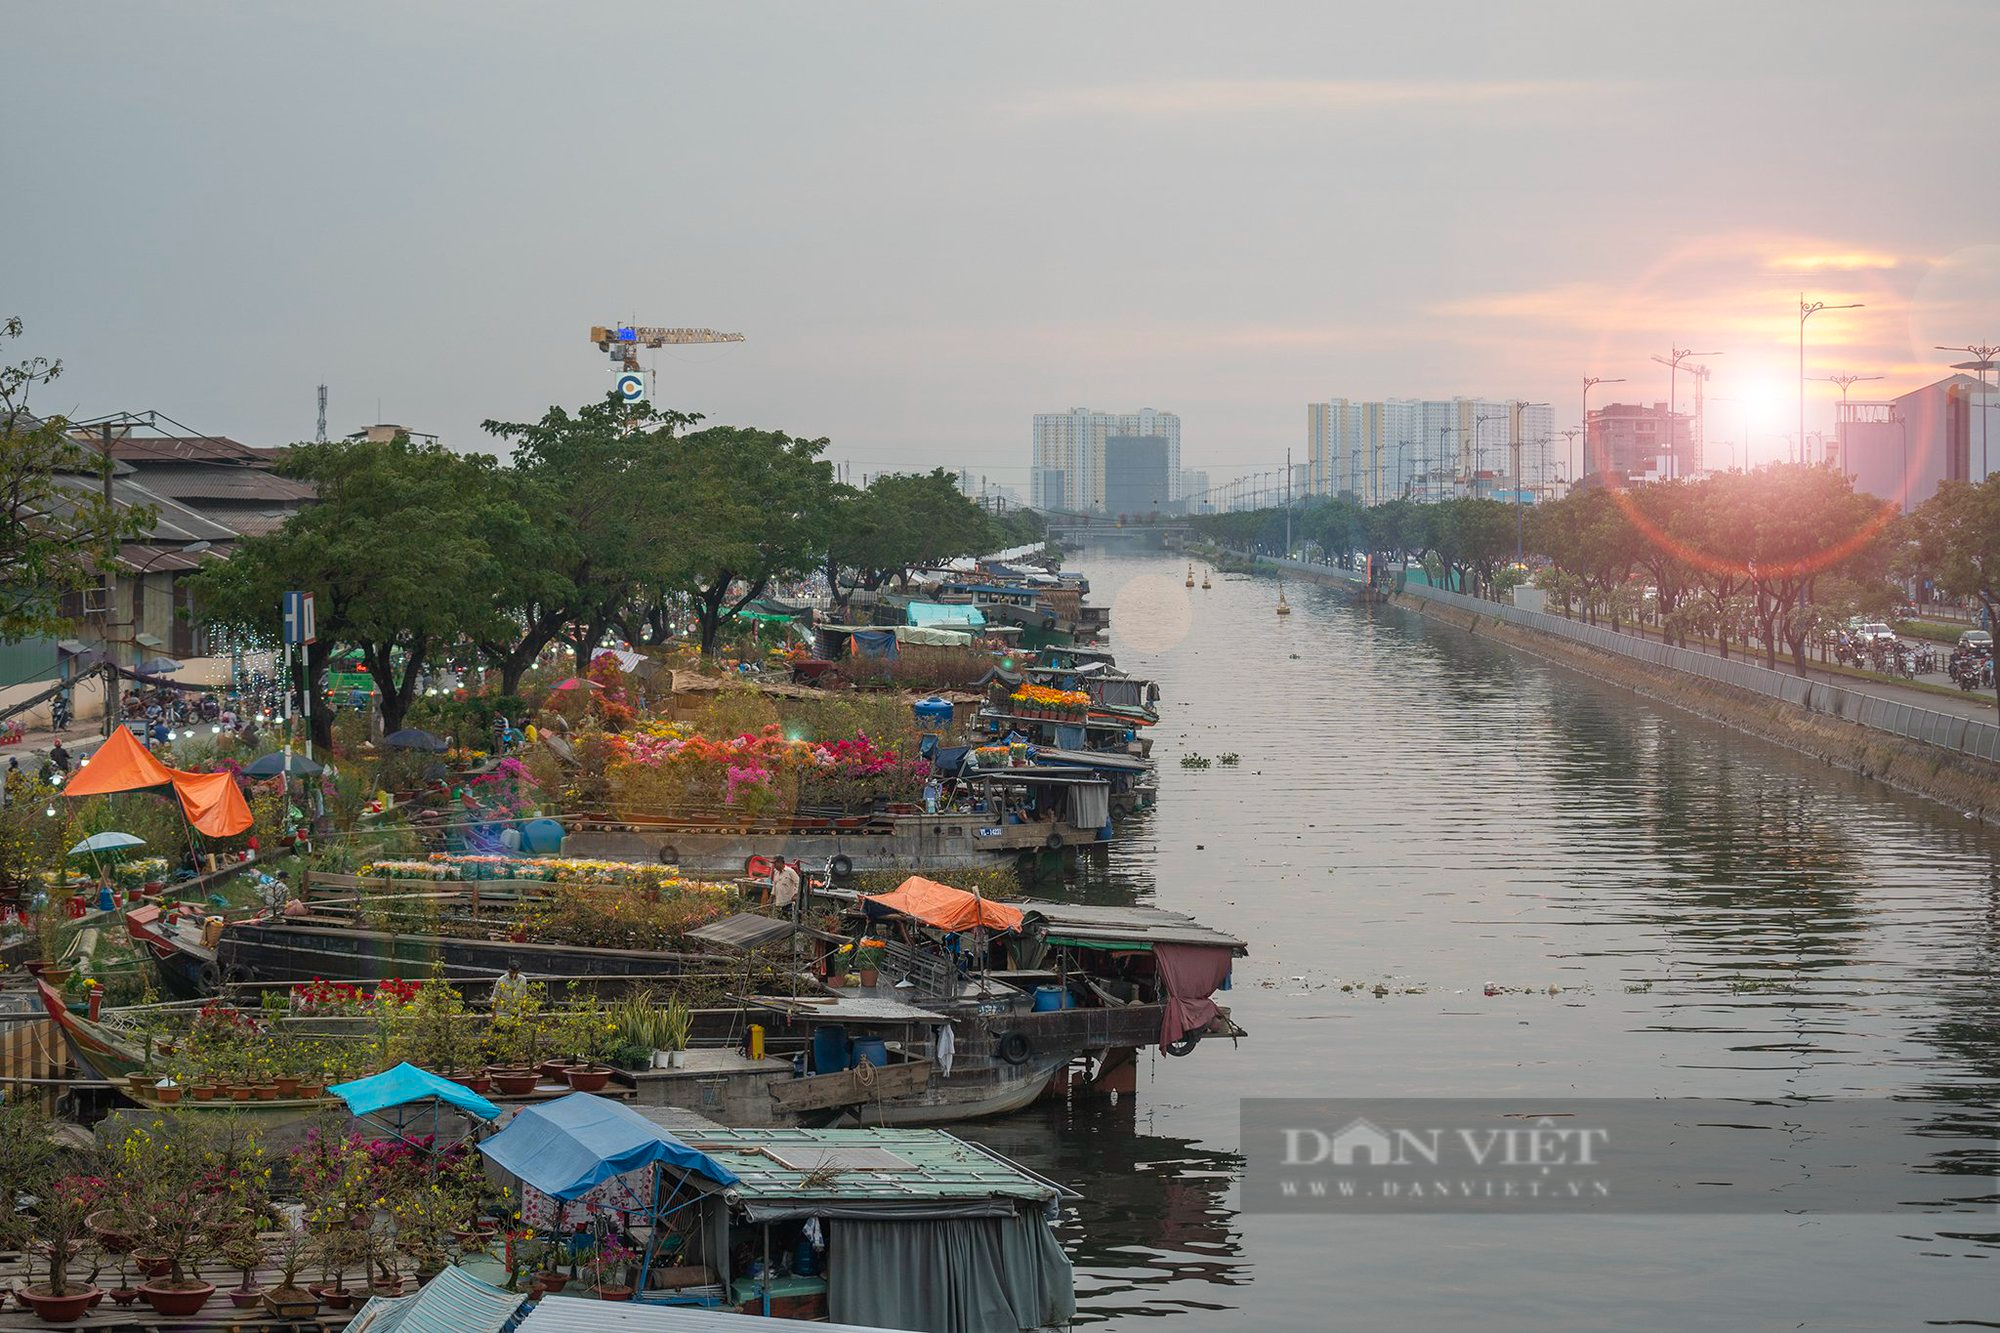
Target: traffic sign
point(299, 627)
point(632, 387)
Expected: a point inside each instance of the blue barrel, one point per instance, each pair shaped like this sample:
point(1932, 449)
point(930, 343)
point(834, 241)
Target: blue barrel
point(871, 1049)
point(1048, 999)
point(933, 711)
point(829, 1050)
point(541, 837)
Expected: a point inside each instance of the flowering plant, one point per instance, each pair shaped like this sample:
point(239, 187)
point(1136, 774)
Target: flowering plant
point(1072, 702)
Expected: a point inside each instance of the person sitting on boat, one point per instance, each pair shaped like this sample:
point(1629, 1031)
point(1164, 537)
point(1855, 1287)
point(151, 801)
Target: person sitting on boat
point(932, 790)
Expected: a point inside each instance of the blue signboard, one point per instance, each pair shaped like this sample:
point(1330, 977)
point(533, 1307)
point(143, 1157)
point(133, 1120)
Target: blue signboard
point(299, 627)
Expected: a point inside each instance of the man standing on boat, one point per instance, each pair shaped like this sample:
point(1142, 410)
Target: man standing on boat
point(784, 884)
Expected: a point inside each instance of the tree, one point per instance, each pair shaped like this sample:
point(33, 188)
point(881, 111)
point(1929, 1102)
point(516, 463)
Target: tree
point(735, 508)
point(396, 554)
point(586, 482)
point(1958, 537)
point(903, 522)
point(57, 529)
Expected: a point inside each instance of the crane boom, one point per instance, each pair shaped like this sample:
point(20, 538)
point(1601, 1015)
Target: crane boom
point(625, 339)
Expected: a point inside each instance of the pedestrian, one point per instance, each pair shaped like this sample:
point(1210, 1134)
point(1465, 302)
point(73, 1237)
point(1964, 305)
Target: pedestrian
point(784, 883)
point(59, 756)
point(510, 991)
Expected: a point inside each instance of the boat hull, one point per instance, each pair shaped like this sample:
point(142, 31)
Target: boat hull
point(904, 842)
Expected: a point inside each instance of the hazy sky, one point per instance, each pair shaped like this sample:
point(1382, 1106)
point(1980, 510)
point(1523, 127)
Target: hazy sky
point(936, 220)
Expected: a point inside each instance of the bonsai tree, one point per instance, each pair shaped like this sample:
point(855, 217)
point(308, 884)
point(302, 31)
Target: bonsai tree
point(181, 1184)
point(290, 1253)
point(243, 1250)
point(434, 1031)
point(61, 1231)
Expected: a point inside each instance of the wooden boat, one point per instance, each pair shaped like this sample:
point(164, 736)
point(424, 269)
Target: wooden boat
point(881, 842)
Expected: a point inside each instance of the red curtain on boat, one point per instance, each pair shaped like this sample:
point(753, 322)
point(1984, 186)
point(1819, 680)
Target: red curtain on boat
point(1189, 973)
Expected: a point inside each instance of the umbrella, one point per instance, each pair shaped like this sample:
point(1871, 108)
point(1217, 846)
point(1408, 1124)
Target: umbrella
point(158, 666)
point(576, 683)
point(105, 842)
point(412, 738)
point(272, 764)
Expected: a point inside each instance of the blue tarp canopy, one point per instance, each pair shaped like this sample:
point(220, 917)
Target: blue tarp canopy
point(875, 643)
point(405, 1084)
point(567, 1147)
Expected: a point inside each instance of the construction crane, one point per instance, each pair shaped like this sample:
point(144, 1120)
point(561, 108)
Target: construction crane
point(1700, 374)
point(624, 341)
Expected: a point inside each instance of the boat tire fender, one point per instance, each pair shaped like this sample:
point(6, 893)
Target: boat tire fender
point(841, 866)
point(1053, 842)
point(209, 979)
point(670, 855)
point(1181, 1047)
point(1012, 1047)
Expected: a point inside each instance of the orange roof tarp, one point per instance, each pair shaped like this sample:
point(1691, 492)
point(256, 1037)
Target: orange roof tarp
point(211, 801)
point(120, 764)
point(947, 908)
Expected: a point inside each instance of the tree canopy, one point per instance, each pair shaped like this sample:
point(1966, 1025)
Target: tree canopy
point(57, 531)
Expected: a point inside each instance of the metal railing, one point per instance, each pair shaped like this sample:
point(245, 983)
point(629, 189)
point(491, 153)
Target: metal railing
point(1947, 731)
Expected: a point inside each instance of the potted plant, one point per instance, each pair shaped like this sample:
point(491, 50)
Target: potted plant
point(244, 1252)
point(511, 1039)
point(178, 1204)
point(674, 1024)
point(611, 1264)
point(61, 1231)
point(586, 1028)
point(339, 1249)
point(289, 1300)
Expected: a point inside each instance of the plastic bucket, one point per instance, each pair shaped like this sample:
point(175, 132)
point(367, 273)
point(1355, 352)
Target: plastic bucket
point(829, 1050)
point(871, 1049)
point(1048, 999)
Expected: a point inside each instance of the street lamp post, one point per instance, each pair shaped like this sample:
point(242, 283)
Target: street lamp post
point(1589, 382)
point(1807, 309)
point(1569, 456)
point(1443, 431)
point(1903, 430)
point(1979, 367)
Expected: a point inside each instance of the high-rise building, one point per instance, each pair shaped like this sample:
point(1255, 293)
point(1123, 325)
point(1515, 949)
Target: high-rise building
point(1427, 449)
point(1073, 443)
point(1135, 476)
point(1903, 448)
point(1194, 492)
point(1637, 442)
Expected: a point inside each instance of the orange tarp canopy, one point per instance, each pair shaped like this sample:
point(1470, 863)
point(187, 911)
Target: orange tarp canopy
point(942, 906)
point(120, 764)
point(211, 801)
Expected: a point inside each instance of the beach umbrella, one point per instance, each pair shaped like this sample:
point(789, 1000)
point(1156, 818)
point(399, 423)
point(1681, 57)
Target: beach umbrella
point(413, 738)
point(158, 666)
point(105, 842)
point(277, 762)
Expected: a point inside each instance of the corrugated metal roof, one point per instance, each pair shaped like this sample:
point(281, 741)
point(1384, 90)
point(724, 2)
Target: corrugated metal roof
point(452, 1302)
point(573, 1314)
point(1143, 925)
point(933, 1165)
point(849, 1009)
point(745, 930)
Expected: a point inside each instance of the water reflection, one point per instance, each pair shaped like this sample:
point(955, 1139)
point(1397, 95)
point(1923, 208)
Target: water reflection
point(1154, 1235)
point(1715, 917)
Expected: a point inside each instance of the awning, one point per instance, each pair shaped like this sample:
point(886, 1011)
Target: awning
point(745, 930)
point(942, 906)
point(211, 801)
point(452, 1302)
point(405, 1084)
point(566, 1147)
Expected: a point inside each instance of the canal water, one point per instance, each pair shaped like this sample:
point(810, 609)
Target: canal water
point(1417, 816)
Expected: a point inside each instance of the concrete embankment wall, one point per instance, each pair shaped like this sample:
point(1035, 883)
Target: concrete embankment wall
point(1948, 758)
